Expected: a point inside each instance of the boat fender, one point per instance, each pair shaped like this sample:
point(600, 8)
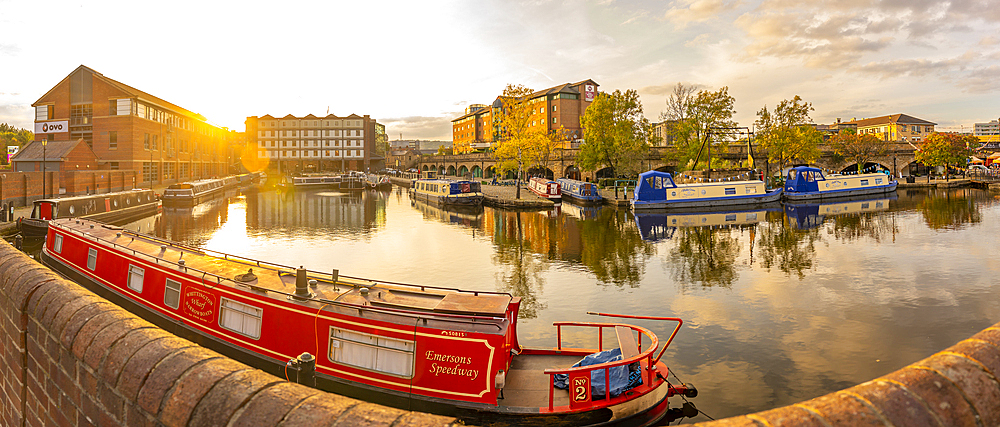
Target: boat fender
point(499, 381)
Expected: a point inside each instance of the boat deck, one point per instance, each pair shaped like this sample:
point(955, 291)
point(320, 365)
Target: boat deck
point(527, 385)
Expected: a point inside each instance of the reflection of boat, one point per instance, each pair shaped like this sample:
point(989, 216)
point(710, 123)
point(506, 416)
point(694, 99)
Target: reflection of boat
point(806, 215)
point(447, 192)
point(581, 212)
point(657, 190)
point(661, 225)
point(423, 348)
point(808, 183)
point(464, 215)
point(545, 188)
point(580, 192)
point(311, 182)
point(108, 207)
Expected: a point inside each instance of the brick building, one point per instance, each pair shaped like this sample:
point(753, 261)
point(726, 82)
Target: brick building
point(292, 144)
point(128, 129)
point(554, 108)
point(896, 127)
point(62, 157)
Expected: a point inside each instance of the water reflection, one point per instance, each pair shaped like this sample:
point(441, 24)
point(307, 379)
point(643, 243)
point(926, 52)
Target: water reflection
point(316, 212)
point(851, 219)
point(467, 216)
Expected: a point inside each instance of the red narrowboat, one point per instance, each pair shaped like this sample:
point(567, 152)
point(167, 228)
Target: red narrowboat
point(545, 188)
point(421, 348)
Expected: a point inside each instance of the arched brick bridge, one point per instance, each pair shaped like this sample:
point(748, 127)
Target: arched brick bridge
point(562, 163)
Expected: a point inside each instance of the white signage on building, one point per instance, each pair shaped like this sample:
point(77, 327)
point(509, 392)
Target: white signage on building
point(588, 92)
point(52, 127)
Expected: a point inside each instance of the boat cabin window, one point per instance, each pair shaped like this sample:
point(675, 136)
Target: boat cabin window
point(372, 352)
point(864, 182)
point(751, 189)
point(792, 173)
point(240, 318)
point(92, 259)
point(730, 191)
point(57, 244)
point(172, 293)
point(878, 181)
point(135, 276)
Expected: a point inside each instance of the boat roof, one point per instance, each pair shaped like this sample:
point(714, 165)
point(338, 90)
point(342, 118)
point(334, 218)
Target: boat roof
point(91, 196)
point(278, 281)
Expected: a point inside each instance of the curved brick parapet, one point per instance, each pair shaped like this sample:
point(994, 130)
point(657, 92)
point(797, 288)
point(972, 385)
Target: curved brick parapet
point(955, 387)
point(68, 357)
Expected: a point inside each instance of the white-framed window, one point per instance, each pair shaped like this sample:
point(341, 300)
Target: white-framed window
point(377, 353)
point(172, 293)
point(241, 318)
point(91, 259)
point(57, 245)
point(135, 277)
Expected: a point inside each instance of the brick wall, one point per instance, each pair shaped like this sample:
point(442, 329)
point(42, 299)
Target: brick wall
point(22, 188)
point(102, 181)
point(70, 358)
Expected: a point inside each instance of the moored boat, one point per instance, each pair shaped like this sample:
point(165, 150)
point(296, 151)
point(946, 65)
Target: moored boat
point(107, 207)
point(352, 181)
point(809, 183)
point(423, 348)
point(193, 192)
point(447, 192)
point(657, 190)
point(377, 182)
point(545, 188)
point(580, 192)
point(312, 182)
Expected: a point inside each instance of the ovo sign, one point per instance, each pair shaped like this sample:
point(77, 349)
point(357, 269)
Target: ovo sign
point(52, 127)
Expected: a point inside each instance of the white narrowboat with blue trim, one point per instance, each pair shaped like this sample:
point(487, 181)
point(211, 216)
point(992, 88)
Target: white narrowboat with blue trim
point(580, 192)
point(447, 192)
point(657, 190)
point(809, 183)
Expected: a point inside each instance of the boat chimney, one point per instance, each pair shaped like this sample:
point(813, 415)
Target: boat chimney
point(301, 284)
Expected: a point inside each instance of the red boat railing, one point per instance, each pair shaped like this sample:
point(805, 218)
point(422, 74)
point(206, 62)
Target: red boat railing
point(584, 395)
point(472, 319)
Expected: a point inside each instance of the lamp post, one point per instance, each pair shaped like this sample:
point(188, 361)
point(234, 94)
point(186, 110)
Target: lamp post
point(44, 144)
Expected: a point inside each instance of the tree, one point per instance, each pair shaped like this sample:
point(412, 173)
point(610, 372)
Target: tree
point(10, 136)
point(860, 148)
point(521, 142)
point(943, 149)
point(785, 135)
point(615, 133)
point(444, 151)
point(694, 115)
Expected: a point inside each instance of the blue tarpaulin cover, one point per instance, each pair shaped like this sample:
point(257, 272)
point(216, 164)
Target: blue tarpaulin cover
point(621, 378)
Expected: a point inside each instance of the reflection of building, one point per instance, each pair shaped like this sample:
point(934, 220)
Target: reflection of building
point(990, 128)
point(314, 211)
point(310, 143)
point(128, 129)
point(897, 127)
point(558, 107)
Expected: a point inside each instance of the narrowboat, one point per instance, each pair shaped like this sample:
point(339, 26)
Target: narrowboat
point(809, 183)
point(193, 192)
point(545, 188)
point(110, 207)
point(312, 182)
point(810, 214)
point(580, 192)
point(422, 348)
point(377, 182)
point(352, 182)
point(657, 190)
point(660, 226)
point(447, 192)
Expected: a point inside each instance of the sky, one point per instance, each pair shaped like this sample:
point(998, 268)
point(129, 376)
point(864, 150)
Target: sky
point(415, 65)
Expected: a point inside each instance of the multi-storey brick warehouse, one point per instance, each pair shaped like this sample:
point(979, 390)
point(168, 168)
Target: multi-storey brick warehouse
point(555, 108)
point(309, 144)
point(130, 129)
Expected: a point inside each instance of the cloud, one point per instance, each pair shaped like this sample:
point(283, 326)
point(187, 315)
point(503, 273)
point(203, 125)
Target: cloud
point(420, 127)
point(692, 11)
point(989, 41)
point(9, 49)
point(17, 115)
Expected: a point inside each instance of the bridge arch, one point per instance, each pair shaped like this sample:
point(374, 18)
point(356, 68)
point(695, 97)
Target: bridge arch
point(572, 172)
point(541, 172)
point(477, 172)
point(451, 170)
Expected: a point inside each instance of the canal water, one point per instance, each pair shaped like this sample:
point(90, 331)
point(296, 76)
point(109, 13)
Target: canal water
point(780, 305)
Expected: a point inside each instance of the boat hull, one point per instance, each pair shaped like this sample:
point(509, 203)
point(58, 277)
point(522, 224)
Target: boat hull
point(770, 197)
point(834, 194)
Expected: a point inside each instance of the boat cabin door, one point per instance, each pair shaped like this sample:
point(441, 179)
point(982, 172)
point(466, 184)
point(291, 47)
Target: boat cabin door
point(803, 181)
point(46, 210)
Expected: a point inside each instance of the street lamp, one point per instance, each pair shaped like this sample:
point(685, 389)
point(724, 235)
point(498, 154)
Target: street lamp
point(44, 143)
